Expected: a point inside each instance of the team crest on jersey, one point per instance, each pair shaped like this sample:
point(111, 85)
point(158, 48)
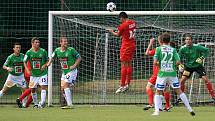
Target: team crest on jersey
point(40, 55)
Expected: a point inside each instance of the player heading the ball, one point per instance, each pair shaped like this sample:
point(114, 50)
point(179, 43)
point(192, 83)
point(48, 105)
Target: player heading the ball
point(127, 30)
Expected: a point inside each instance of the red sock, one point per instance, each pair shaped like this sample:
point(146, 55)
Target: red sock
point(25, 93)
point(150, 94)
point(123, 75)
point(167, 98)
point(129, 75)
point(210, 89)
point(29, 101)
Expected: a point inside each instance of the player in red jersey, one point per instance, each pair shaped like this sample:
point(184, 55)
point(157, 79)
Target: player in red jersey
point(127, 30)
point(152, 80)
point(26, 93)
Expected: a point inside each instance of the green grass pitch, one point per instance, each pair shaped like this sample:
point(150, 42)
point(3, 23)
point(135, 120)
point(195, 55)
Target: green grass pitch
point(103, 113)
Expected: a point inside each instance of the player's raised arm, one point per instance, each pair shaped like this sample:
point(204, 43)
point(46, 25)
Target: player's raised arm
point(149, 46)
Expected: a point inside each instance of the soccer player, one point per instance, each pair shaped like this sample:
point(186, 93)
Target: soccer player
point(152, 80)
point(167, 58)
point(27, 92)
point(69, 60)
point(194, 55)
point(127, 30)
point(14, 66)
point(38, 60)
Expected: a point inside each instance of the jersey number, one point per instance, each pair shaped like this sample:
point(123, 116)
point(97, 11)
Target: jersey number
point(132, 34)
point(165, 55)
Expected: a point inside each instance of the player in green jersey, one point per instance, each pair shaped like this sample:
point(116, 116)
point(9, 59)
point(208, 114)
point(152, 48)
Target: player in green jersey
point(38, 60)
point(167, 59)
point(194, 55)
point(69, 60)
point(14, 66)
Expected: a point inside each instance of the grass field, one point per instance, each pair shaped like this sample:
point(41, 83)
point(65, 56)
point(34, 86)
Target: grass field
point(103, 113)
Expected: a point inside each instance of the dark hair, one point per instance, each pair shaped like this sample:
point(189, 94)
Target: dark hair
point(16, 43)
point(165, 37)
point(188, 35)
point(123, 15)
point(34, 38)
point(172, 44)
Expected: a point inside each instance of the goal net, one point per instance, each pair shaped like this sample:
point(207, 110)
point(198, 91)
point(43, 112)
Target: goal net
point(99, 71)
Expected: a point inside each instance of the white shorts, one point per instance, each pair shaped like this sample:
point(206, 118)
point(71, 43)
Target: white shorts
point(12, 80)
point(162, 81)
point(35, 81)
point(70, 77)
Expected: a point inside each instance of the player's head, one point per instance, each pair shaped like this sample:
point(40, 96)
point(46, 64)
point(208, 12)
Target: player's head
point(166, 38)
point(188, 39)
point(123, 16)
point(63, 42)
point(35, 42)
point(16, 47)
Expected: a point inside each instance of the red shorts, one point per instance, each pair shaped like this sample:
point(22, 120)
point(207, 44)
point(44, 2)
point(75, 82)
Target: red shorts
point(127, 53)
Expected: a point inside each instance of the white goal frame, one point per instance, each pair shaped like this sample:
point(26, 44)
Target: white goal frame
point(53, 13)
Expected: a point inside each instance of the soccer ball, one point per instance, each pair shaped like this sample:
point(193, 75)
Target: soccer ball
point(111, 6)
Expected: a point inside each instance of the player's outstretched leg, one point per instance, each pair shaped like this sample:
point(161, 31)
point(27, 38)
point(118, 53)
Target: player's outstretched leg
point(185, 101)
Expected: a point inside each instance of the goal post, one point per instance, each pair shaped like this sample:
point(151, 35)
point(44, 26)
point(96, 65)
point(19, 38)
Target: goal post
point(87, 33)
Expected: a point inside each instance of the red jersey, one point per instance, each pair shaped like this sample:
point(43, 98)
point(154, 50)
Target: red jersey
point(127, 30)
point(155, 68)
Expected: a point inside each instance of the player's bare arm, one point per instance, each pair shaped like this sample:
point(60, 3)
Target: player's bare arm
point(150, 45)
point(114, 33)
point(26, 68)
point(8, 68)
point(77, 62)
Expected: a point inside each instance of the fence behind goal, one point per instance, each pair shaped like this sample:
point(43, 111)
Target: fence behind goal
point(99, 71)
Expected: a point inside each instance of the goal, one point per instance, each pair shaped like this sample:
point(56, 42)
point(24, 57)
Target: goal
point(99, 71)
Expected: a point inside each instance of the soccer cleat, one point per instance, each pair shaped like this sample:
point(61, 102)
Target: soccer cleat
point(178, 101)
point(19, 103)
point(156, 113)
point(41, 105)
point(126, 87)
point(148, 107)
point(166, 109)
point(68, 107)
point(36, 106)
point(120, 89)
point(192, 113)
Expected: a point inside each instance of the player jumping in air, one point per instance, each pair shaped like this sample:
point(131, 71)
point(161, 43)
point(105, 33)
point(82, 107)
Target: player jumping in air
point(127, 30)
point(194, 55)
point(15, 67)
point(38, 60)
point(167, 58)
point(69, 60)
point(152, 80)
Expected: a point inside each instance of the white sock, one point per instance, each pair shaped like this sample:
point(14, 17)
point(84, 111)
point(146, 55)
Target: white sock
point(68, 96)
point(1, 93)
point(185, 101)
point(157, 100)
point(43, 97)
point(161, 102)
point(34, 97)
